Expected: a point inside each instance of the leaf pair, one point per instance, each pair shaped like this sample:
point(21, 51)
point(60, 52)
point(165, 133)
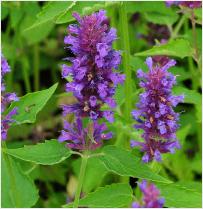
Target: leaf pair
point(116, 160)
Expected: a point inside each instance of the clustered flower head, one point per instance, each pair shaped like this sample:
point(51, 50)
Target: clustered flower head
point(151, 196)
point(189, 4)
point(80, 138)
point(155, 114)
point(93, 79)
point(6, 99)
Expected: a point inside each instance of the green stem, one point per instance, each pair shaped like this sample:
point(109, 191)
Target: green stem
point(113, 12)
point(197, 57)
point(126, 60)
point(25, 69)
point(194, 35)
point(36, 67)
point(8, 28)
point(10, 77)
point(178, 27)
point(193, 73)
point(195, 79)
point(80, 182)
point(120, 135)
point(190, 63)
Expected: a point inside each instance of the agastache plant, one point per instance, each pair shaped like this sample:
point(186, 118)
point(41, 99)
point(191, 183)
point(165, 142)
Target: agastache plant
point(93, 79)
point(6, 99)
point(151, 196)
point(154, 113)
point(93, 84)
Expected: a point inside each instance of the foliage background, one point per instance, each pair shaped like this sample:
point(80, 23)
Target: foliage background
point(32, 41)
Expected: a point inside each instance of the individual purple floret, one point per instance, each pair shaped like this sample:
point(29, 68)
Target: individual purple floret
point(6, 98)
point(189, 4)
point(151, 196)
point(155, 114)
point(80, 138)
point(93, 80)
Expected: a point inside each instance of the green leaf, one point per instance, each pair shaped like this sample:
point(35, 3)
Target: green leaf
point(181, 73)
point(138, 63)
point(30, 105)
point(83, 8)
point(181, 195)
point(124, 163)
point(196, 164)
point(191, 96)
point(193, 185)
point(143, 6)
point(110, 196)
point(4, 11)
point(198, 14)
point(161, 18)
point(50, 11)
point(182, 133)
point(48, 153)
point(16, 15)
point(18, 191)
point(36, 34)
point(177, 48)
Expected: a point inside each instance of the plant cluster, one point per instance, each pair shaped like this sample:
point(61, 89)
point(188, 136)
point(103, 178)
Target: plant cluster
point(100, 151)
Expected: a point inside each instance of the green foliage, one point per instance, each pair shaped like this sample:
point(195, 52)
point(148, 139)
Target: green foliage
point(144, 6)
point(49, 12)
point(124, 163)
point(158, 18)
point(48, 153)
point(4, 11)
point(16, 16)
point(30, 105)
point(110, 196)
point(177, 48)
point(36, 34)
point(18, 190)
point(190, 96)
point(181, 195)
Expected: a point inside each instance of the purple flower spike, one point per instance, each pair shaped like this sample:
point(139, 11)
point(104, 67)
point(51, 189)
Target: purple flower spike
point(93, 79)
point(80, 138)
point(151, 196)
point(155, 114)
point(6, 99)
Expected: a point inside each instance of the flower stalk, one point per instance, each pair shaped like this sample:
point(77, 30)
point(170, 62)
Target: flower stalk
point(126, 60)
point(81, 180)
